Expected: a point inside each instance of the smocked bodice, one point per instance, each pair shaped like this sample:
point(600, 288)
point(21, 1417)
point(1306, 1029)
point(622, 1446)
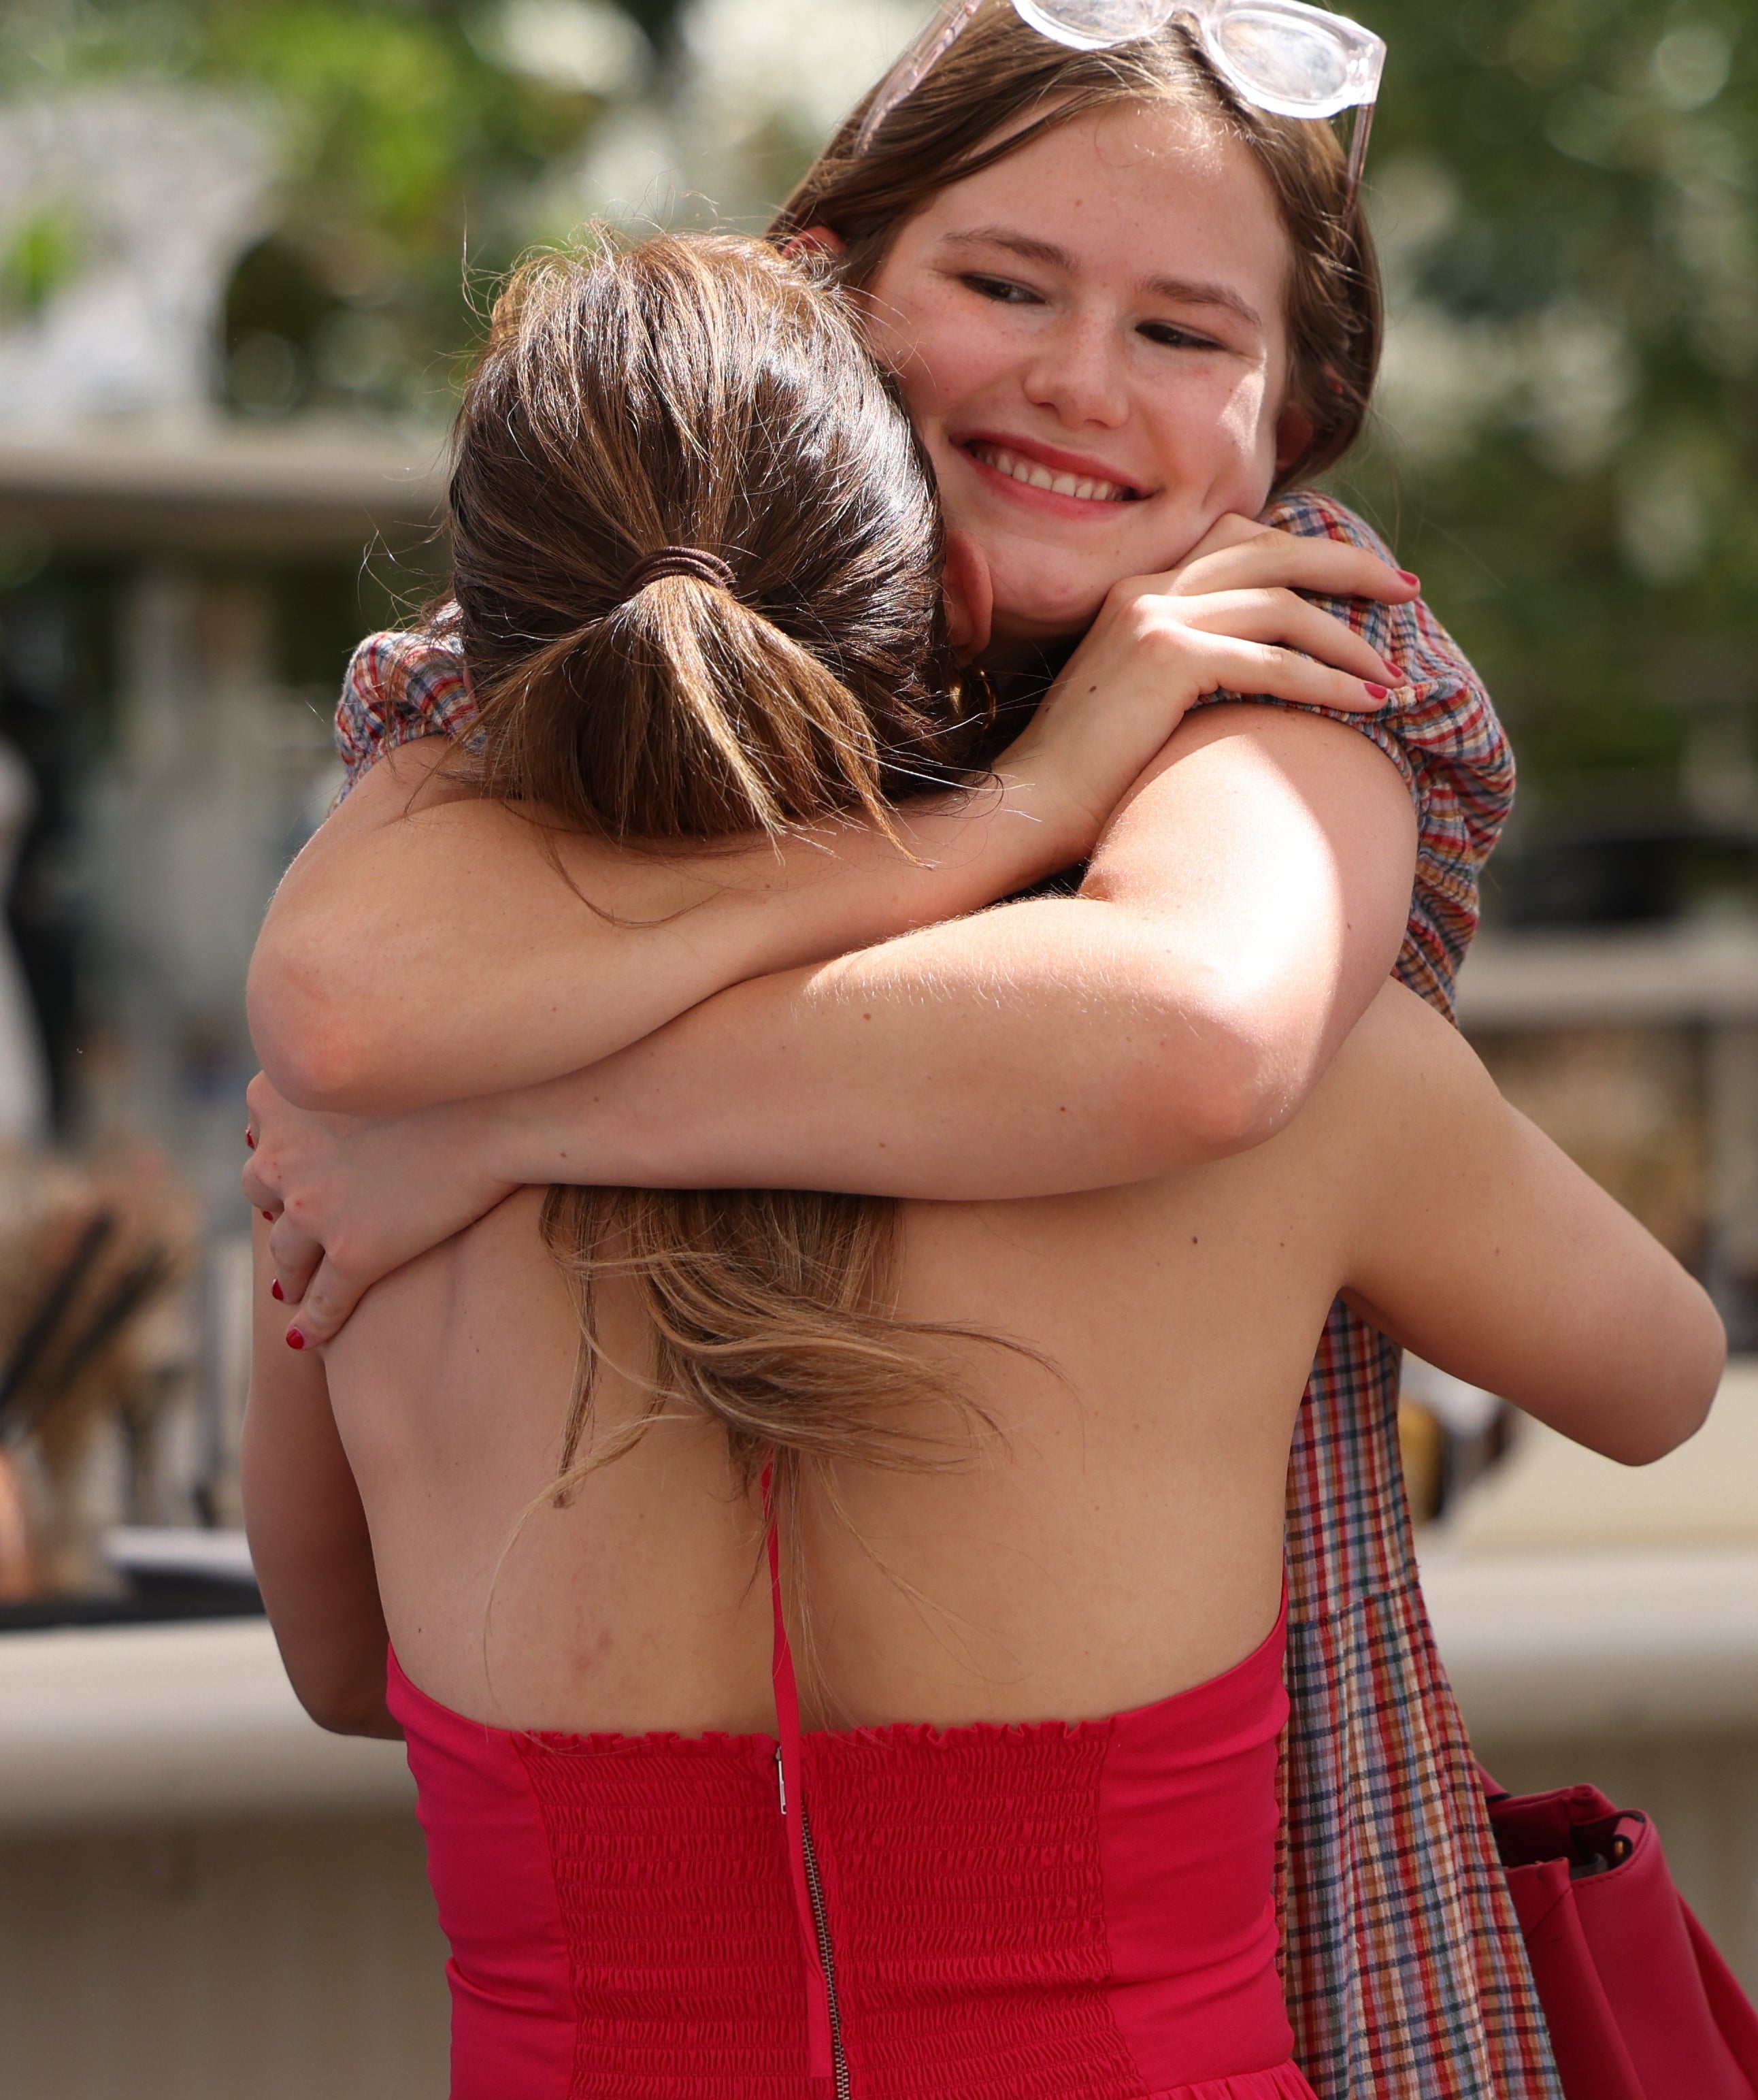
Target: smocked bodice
point(1056, 1911)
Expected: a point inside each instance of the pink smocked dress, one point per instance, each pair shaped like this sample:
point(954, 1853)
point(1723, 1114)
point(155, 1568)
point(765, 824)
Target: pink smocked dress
point(1060, 1911)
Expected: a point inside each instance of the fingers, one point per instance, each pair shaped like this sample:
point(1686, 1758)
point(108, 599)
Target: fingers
point(330, 1298)
point(1280, 616)
point(1232, 528)
point(1264, 558)
point(260, 1190)
point(1254, 668)
point(295, 1255)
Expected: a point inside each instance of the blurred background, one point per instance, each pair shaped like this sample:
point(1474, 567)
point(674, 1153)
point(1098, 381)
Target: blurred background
point(245, 247)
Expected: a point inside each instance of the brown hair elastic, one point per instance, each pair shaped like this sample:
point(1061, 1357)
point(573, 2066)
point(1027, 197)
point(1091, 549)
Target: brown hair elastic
point(678, 562)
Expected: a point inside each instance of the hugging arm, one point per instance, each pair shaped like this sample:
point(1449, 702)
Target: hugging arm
point(1242, 911)
point(419, 922)
point(309, 1541)
point(1485, 1249)
point(1240, 914)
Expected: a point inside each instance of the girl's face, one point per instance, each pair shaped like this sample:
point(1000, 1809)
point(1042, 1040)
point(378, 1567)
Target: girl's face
point(1092, 338)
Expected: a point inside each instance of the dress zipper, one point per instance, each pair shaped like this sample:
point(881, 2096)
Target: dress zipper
point(828, 2061)
point(821, 1927)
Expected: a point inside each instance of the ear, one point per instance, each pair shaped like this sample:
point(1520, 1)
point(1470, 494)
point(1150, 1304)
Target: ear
point(821, 239)
point(1294, 433)
point(969, 596)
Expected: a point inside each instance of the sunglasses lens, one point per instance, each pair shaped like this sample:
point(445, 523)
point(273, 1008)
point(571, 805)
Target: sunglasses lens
point(1092, 25)
point(1288, 61)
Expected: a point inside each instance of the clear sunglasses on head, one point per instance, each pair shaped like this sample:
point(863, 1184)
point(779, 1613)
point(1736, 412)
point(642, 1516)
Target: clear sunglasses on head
point(1280, 56)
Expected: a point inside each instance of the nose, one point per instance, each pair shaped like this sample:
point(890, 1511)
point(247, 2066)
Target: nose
point(1077, 373)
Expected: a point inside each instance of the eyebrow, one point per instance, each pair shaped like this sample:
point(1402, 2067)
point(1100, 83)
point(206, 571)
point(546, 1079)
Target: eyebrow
point(1029, 249)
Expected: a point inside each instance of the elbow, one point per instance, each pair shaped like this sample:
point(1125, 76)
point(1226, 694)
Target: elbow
point(1246, 1098)
point(315, 1035)
point(358, 1719)
point(349, 1706)
point(1220, 1085)
point(1678, 1402)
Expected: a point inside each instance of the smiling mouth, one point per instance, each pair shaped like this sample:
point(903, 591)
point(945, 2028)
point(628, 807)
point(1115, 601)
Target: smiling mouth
point(1083, 487)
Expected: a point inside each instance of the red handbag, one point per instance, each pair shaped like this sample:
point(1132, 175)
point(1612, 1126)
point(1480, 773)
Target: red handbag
point(1639, 2004)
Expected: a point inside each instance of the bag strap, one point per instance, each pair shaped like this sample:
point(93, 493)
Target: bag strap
point(821, 2054)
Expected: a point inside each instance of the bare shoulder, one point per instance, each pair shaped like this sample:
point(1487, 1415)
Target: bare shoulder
point(1402, 1042)
point(1405, 1085)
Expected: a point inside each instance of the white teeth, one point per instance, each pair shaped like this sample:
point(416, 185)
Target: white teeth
point(1035, 476)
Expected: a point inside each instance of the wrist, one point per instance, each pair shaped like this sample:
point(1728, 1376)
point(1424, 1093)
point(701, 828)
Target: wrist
point(565, 1130)
point(491, 1135)
point(1035, 791)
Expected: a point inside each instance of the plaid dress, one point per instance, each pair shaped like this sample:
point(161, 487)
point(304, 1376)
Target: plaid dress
point(1406, 1973)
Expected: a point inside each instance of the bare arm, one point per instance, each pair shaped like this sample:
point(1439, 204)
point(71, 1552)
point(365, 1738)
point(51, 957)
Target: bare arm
point(1240, 915)
point(308, 1535)
point(415, 924)
point(423, 950)
point(1483, 1247)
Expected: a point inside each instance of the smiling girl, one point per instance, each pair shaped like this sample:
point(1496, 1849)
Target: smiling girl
point(1104, 272)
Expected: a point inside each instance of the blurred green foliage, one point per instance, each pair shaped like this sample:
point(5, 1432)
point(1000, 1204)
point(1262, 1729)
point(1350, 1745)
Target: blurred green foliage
point(43, 254)
point(1567, 191)
point(410, 153)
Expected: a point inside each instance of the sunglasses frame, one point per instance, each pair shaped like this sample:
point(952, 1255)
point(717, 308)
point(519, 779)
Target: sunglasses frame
point(954, 16)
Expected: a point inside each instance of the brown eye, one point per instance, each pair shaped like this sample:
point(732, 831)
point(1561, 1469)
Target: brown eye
point(1175, 338)
point(1001, 290)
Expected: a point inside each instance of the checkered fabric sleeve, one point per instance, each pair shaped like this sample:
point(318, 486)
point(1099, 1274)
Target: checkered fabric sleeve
point(1405, 1972)
point(401, 686)
point(1440, 730)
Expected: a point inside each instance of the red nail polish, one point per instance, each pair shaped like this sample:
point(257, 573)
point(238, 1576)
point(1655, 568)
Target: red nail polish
point(1376, 692)
point(275, 1291)
point(250, 1139)
point(270, 1216)
point(295, 1339)
point(1410, 577)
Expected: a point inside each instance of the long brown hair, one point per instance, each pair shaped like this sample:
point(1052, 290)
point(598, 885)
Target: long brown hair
point(706, 392)
point(1003, 85)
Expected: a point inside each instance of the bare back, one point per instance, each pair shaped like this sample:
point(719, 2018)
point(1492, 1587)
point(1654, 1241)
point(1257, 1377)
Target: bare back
point(1120, 1539)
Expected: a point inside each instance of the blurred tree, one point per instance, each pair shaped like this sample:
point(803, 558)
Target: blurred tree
point(413, 134)
point(1565, 193)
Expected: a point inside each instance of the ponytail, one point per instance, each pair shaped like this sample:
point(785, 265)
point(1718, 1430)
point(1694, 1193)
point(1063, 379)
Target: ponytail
point(723, 723)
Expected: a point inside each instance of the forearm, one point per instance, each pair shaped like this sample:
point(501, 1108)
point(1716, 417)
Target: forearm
point(309, 1541)
point(451, 953)
point(1040, 1048)
point(1241, 915)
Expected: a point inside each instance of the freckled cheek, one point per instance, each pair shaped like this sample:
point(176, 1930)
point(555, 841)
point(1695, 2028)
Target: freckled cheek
point(945, 358)
point(1230, 432)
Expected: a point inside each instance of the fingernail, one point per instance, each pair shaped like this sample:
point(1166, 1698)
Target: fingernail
point(1376, 692)
point(250, 1139)
point(275, 1291)
point(1410, 577)
point(270, 1216)
point(295, 1339)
